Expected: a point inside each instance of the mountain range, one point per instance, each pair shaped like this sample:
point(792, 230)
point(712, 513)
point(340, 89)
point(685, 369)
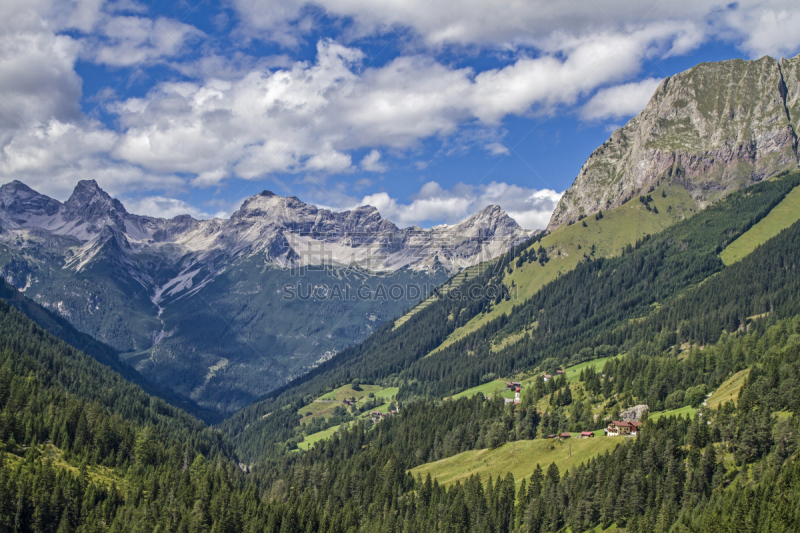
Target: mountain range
point(217, 309)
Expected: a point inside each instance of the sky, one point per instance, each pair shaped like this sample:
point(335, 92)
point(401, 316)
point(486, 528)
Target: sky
point(426, 109)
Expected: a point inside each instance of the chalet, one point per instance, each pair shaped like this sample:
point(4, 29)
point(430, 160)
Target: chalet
point(546, 377)
point(564, 435)
point(552, 436)
point(586, 434)
point(559, 372)
point(511, 385)
point(621, 427)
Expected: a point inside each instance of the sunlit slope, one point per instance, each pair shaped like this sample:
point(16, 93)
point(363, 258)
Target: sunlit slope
point(567, 246)
point(520, 458)
point(784, 215)
point(465, 275)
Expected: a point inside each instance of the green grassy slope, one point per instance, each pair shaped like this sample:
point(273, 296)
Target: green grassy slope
point(567, 245)
point(465, 275)
point(574, 372)
point(728, 391)
point(784, 215)
point(520, 458)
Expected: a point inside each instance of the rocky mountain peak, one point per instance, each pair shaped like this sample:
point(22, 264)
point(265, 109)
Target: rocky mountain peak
point(712, 129)
point(19, 200)
point(91, 203)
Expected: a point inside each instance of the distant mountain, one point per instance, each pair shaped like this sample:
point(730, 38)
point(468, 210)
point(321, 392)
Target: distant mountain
point(713, 129)
point(202, 306)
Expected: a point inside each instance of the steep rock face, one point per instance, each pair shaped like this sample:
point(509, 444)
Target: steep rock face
point(714, 128)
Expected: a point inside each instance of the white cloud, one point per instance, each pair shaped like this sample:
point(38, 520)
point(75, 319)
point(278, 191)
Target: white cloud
point(620, 101)
point(163, 207)
point(496, 148)
point(122, 41)
point(308, 118)
point(531, 208)
point(372, 162)
point(758, 26)
point(768, 27)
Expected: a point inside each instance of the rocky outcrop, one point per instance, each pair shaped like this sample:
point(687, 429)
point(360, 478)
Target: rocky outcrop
point(714, 128)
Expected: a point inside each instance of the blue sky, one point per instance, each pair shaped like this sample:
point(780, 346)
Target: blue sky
point(426, 109)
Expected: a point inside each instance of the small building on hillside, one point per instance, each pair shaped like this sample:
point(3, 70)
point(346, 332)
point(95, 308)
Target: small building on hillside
point(348, 402)
point(564, 435)
point(587, 434)
point(552, 436)
point(618, 428)
point(559, 372)
point(511, 385)
point(546, 377)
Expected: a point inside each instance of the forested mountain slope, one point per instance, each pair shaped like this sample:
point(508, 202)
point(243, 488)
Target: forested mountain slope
point(60, 328)
point(81, 449)
point(640, 296)
point(728, 470)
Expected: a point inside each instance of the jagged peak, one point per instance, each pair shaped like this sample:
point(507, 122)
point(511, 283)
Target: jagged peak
point(90, 202)
point(20, 199)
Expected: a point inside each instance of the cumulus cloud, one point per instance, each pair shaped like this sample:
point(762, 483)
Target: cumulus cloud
point(759, 26)
point(308, 118)
point(163, 207)
point(766, 27)
point(620, 101)
point(531, 208)
point(122, 41)
point(372, 162)
point(230, 115)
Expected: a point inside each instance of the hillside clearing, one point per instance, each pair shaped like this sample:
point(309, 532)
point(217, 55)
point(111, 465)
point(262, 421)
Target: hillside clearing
point(728, 391)
point(784, 215)
point(520, 458)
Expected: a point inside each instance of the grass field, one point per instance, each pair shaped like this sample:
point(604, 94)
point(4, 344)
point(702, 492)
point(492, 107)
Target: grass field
point(100, 475)
point(683, 411)
point(727, 391)
point(499, 385)
point(487, 389)
point(388, 393)
point(309, 440)
point(618, 227)
point(347, 391)
point(520, 458)
point(326, 408)
point(574, 372)
point(784, 215)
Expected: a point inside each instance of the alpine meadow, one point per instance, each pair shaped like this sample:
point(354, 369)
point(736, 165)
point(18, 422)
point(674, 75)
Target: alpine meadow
point(491, 267)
